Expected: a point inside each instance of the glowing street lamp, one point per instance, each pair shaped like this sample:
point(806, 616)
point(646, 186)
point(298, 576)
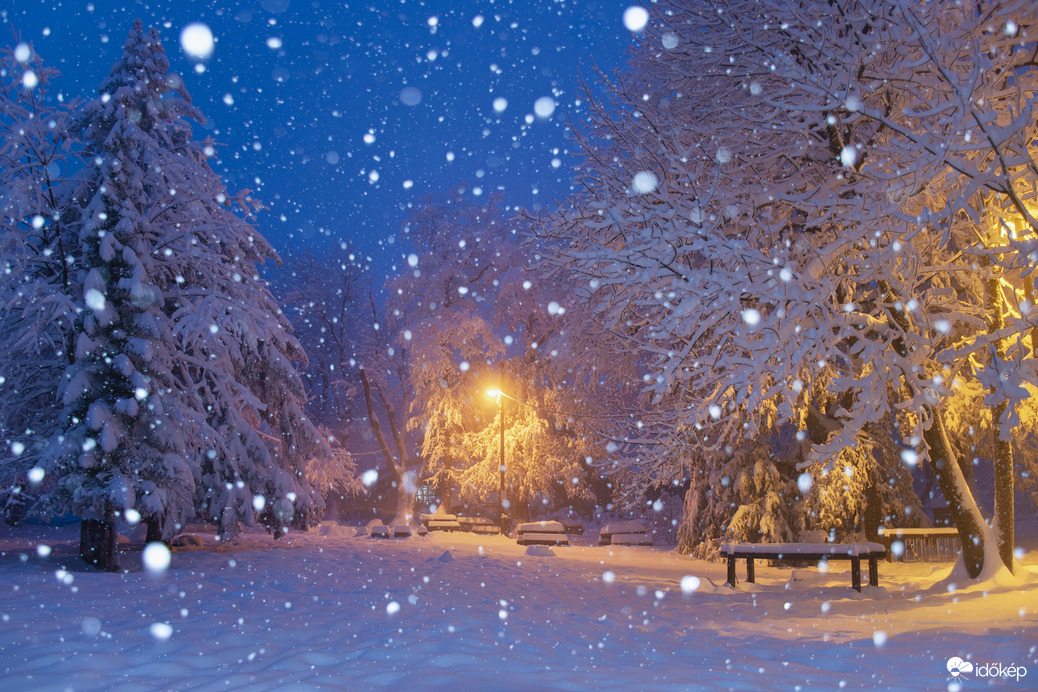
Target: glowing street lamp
point(501, 490)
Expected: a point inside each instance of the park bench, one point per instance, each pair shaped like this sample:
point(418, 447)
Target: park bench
point(787, 552)
point(541, 533)
point(400, 529)
point(376, 529)
point(440, 522)
point(920, 545)
point(480, 525)
point(630, 532)
point(574, 527)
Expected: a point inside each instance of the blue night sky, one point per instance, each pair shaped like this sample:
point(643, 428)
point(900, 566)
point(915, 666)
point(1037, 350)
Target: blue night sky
point(340, 115)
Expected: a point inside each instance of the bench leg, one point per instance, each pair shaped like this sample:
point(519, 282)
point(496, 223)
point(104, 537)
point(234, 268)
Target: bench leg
point(750, 577)
point(856, 573)
point(731, 571)
point(873, 571)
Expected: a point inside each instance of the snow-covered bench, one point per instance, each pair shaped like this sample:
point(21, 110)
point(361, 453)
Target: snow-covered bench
point(574, 527)
point(376, 529)
point(924, 545)
point(400, 529)
point(541, 533)
point(441, 522)
point(630, 532)
point(780, 552)
point(478, 525)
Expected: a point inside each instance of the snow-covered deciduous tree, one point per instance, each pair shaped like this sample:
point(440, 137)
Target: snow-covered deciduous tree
point(790, 199)
point(566, 383)
point(545, 457)
point(448, 352)
point(437, 324)
point(333, 475)
point(466, 315)
point(182, 398)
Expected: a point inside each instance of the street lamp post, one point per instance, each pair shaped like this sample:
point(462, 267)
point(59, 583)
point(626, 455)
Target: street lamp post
point(501, 488)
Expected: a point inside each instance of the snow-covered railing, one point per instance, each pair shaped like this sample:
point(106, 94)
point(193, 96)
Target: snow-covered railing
point(922, 545)
point(780, 552)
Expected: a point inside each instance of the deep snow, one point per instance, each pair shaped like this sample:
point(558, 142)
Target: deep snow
point(328, 610)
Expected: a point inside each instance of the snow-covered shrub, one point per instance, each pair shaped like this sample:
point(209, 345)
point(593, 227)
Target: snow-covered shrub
point(334, 476)
point(862, 488)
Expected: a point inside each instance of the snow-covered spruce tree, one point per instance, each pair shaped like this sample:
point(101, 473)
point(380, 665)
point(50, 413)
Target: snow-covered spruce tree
point(747, 498)
point(776, 177)
point(37, 251)
point(864, 487)
point(182, 399)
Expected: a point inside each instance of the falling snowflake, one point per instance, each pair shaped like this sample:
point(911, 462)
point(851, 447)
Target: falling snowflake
point(644, 182)
point(197, 41)
point(805, 481)
point(690, 583)
point(635, 18)
point(156, 558)
point(848, 156)
point(95, 300)
point(544, 107)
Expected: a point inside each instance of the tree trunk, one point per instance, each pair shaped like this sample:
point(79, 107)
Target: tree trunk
point(951, 478)
point(872, 516)
point(1003, 460)
point(405, 493)
point(964, 511)
point(97, 543)
point(154, 534)
point(404, 496)
point(1004, 480)
point(404, 508)
point(394, 429)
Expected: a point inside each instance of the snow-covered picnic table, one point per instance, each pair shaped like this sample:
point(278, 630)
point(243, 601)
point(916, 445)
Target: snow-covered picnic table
point(805, 551)
point(376, 529)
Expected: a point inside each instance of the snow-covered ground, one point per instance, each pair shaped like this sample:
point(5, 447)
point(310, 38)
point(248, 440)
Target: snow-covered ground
point(328, 610)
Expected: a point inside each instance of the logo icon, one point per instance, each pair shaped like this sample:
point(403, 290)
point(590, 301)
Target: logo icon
point(957, 667)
